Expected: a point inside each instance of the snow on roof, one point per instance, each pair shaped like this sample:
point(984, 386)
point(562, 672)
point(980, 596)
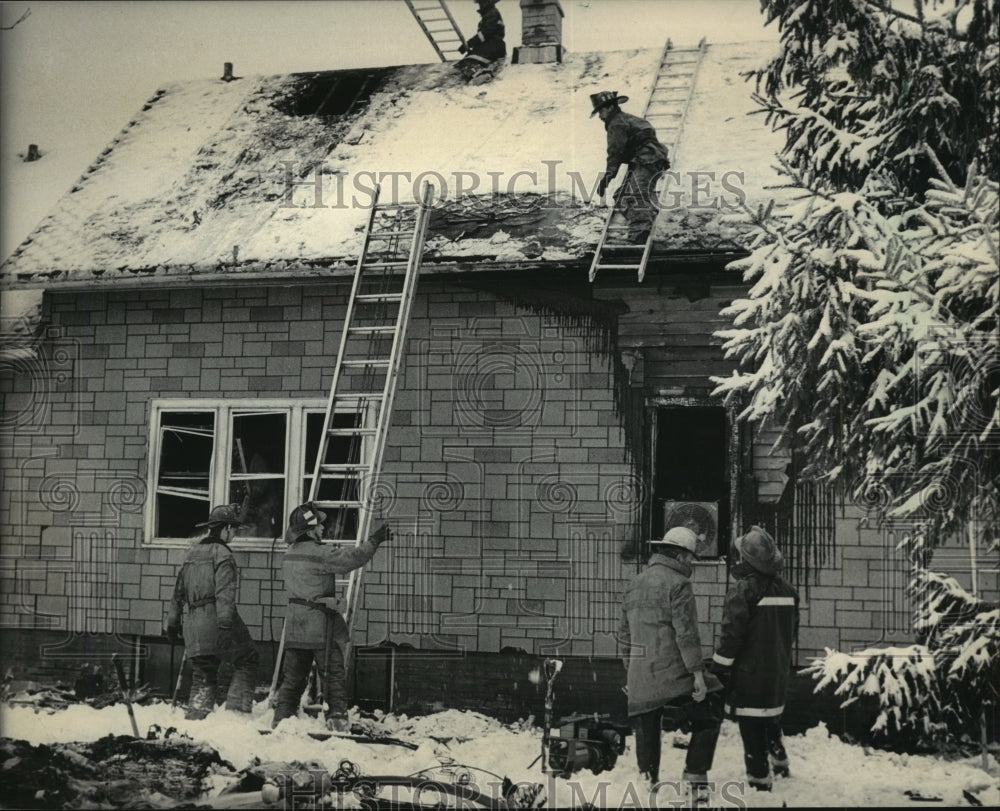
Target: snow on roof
point(214, 177)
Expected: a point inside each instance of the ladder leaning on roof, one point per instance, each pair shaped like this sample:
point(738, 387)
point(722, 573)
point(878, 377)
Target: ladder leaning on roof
point(359, 409)
point(666, 109)
point(440, 27)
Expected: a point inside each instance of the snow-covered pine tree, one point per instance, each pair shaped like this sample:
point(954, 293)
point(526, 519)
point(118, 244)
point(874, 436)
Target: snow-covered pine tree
point(870, 331)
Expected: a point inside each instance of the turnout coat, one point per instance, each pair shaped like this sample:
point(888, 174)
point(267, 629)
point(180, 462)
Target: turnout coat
point(207, 585)
point(759, 623)
point(310, 569)
point(488, 41)
point(659, 629)
point(632, 140)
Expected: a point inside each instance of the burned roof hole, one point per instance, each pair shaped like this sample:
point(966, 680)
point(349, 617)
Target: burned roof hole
point(331, 94)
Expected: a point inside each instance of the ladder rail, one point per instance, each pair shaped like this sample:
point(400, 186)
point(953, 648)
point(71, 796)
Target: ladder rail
point(430, 34)
point(389, 390)
point(331, 403)
point(676, 130)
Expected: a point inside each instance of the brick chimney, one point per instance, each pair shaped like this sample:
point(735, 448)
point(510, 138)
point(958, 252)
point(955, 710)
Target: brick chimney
point(541, 32)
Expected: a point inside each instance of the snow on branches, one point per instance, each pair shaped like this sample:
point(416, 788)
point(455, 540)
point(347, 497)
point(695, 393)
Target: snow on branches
point(929, 692)
point(870, 331)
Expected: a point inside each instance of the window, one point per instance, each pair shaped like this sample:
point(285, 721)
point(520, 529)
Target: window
point(205, 454)
point(693, 461)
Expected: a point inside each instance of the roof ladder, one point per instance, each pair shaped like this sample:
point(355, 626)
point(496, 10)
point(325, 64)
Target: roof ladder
point(666, 109)
point(440, 27)
point(348, 459)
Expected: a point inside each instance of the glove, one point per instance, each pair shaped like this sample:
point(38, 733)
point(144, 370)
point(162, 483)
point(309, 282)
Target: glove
point(224, 640)
point(463, 48)
point(175, 634)
point(602, 186)
point(381, 535)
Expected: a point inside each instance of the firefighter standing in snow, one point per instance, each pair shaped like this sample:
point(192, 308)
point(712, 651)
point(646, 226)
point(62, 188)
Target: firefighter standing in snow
point(754, 657)
point(213, 630)
point(487, 46)
point(667, 685)
point(315, 629)
point(632, 141)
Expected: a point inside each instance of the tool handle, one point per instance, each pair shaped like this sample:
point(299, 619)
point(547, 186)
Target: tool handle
point(125, 692)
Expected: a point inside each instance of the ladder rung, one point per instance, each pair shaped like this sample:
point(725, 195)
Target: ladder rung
point(623, 246)
point(376, 234)
point(381, 363)
point(344, 467)
point(379, 297)
point(360, 395)
point(618, 267)
point(351, 432)
point(396, 264)
point(366, 330)
point(332, 504)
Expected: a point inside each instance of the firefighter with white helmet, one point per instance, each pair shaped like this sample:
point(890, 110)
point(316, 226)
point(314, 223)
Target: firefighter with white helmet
point(666, 681)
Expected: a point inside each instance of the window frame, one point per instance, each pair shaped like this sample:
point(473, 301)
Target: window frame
point(296, 412)
point(732, 462)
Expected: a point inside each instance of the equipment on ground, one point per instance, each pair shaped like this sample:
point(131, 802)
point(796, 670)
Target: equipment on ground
point(585, 742)
point(579, 742)
point(126, 693)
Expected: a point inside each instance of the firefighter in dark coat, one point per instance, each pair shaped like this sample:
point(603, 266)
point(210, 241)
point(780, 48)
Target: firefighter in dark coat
point(667, 685)
point(487, 46)
point(315, 629)
point(754, 658)
point(213, 630)
point(632, 141)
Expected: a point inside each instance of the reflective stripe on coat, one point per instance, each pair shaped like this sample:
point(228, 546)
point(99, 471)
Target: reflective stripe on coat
point(310, 569)
point(759, 623)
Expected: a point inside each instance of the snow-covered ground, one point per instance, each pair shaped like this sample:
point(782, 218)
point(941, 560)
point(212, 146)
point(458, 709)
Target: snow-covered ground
point(825, 770)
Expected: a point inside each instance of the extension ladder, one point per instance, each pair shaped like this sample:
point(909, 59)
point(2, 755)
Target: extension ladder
point(359, 409)
point(666, 109)
point(440, 27)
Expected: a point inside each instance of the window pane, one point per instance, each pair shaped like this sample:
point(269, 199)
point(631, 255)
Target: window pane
point(262, 507)
point(259, 443)
point(187, 442)
point(257, 469)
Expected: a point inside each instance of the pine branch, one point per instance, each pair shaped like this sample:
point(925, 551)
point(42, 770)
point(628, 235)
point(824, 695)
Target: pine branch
point(902, 15)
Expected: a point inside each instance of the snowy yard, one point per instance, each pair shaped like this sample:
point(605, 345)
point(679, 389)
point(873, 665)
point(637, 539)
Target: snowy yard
point(825, 770)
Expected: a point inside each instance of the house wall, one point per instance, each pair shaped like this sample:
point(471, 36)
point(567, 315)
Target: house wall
point(509, 487)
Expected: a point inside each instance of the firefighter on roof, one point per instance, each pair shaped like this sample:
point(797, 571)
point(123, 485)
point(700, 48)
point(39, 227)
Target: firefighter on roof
point(632, 141)
point(213, 630)
point(486, 47)
point(315, 627)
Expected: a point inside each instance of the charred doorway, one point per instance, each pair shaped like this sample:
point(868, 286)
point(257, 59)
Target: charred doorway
point(692, 474)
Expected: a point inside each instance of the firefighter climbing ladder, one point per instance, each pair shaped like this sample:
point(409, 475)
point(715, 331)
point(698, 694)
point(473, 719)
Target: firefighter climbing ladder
point(440, 27)
point(666, 109)
point(359, 409)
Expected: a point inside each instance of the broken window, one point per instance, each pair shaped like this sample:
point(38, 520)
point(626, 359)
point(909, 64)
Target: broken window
point(692, 474)
point(247, 453)
point(257, 472)
point(183, 481)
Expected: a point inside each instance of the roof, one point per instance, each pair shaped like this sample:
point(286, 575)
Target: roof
point(197, 183)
